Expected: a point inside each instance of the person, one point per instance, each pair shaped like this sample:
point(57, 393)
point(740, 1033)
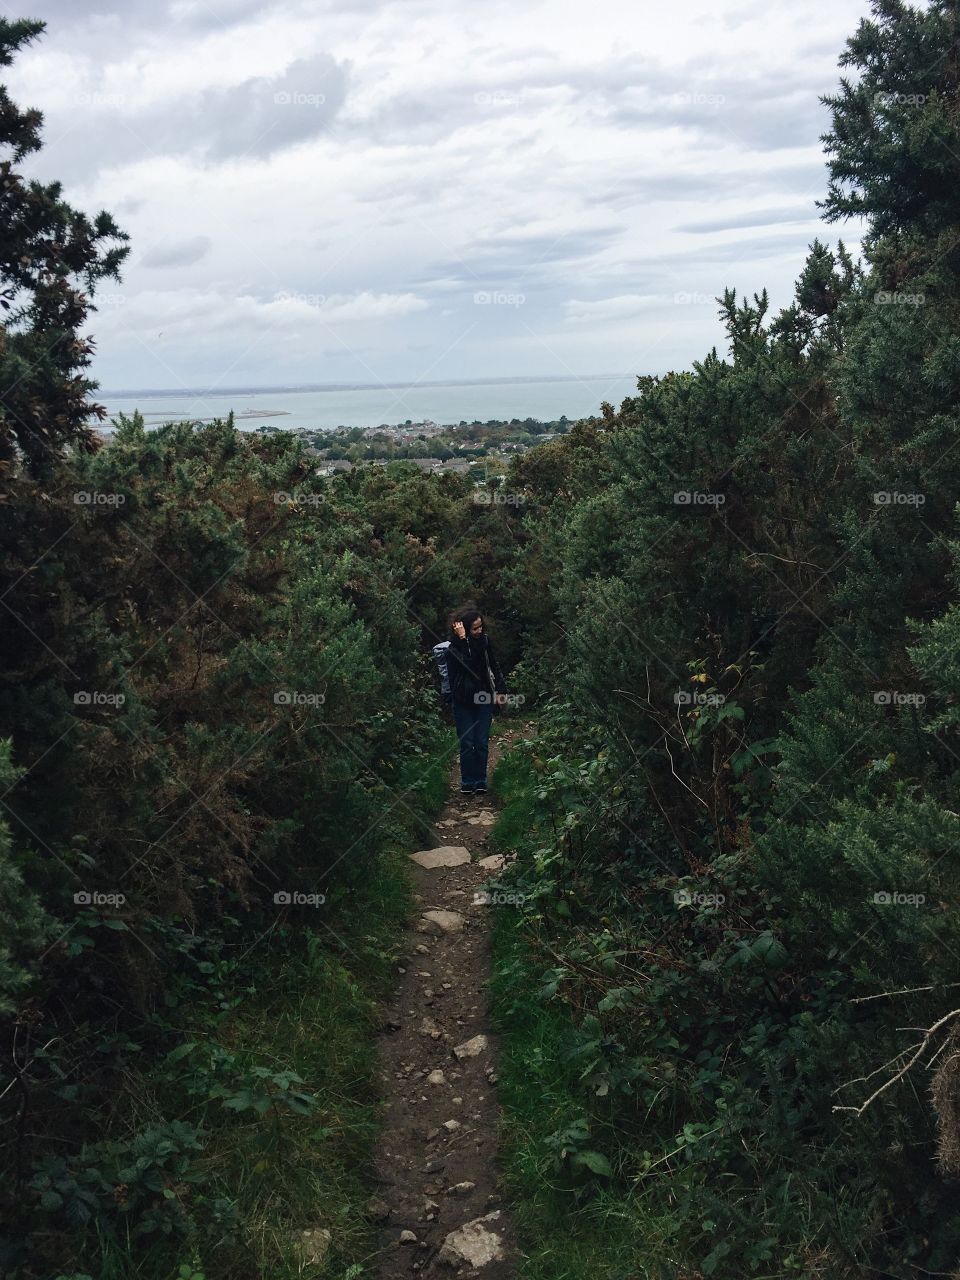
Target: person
point(478, 687)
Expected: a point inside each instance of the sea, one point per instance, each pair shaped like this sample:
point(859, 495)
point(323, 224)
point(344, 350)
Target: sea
point(325, 408)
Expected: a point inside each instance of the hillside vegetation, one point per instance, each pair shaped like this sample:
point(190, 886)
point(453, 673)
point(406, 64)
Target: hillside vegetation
point(730, 993)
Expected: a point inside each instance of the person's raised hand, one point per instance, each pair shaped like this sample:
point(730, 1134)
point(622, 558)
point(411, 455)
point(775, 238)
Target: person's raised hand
point(459, 630)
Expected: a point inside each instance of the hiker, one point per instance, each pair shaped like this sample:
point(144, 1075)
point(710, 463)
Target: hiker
point(477, 687)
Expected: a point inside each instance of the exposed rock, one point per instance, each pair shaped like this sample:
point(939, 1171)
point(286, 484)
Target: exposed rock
point(440, 921)
point(408, 1237)
point(314, 1244)
point(474, 1244)
point(471, 1048)
point(492, 863)
point(461, 1188)
point(483, 819)
point(436, 1077)
point(377, 1210)
point(448, 855)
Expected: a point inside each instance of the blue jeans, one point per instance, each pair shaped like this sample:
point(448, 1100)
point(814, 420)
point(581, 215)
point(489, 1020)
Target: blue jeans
point(473, 731)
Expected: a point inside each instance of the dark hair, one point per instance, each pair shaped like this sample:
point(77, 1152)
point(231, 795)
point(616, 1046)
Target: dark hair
point(467, 614)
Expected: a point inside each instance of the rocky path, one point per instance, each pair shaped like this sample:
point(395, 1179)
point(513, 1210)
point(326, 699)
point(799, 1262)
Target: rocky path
point(439, 1203)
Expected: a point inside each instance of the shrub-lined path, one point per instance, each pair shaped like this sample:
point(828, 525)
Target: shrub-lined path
point(439, 1202)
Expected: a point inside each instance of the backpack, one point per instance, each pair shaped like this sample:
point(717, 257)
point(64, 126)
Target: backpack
point(440, 655)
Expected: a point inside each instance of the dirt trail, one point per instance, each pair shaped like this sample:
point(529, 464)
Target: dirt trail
point(439, 1203)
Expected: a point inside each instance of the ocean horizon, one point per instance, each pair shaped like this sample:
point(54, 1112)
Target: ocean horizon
point(325, 407)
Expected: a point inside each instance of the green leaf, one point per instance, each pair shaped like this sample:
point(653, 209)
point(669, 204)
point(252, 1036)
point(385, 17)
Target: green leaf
point(595, 1161)
point(181, 1051)
point(770, 950)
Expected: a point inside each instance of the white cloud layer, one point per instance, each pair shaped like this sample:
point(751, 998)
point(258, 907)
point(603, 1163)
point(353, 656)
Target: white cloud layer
point(375, 191)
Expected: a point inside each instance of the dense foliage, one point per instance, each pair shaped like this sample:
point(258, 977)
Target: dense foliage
point(218, 729)
point(739, 810)
point(730, 991)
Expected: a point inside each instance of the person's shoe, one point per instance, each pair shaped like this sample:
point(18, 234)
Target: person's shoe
point(465, 790)
point(480, 789)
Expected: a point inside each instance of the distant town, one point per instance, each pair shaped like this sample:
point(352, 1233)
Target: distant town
point(431, 446)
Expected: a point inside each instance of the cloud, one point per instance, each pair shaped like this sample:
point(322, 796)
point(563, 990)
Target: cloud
point(264, 114)
point(333, 181)
point(752, 218)
point(182, 254)
point(339, 308)
point(619, 308)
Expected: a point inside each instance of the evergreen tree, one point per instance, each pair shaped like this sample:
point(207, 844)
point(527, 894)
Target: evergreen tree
point(51, 259)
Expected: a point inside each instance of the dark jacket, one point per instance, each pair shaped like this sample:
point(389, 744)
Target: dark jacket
point(467, 662)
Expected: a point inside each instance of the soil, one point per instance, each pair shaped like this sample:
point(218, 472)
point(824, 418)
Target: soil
point(436, 1159)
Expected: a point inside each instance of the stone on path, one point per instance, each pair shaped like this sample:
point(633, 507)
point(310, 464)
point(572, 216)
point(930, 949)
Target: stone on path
point(436, 1077)
point(444, 921)
point(493, 863)
point(474, 1244)
point(377, 1210)
point(471, 1048)
point(485, 818)
point(314, 1244)
point(448, 855)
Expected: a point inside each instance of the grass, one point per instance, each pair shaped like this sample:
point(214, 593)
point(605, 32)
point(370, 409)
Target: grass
point(610, 1235)
point(320, 1012)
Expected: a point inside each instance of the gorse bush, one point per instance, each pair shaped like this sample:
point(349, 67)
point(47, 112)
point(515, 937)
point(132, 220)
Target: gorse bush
point(217, 728)
point(210, 683)
point(745, 601)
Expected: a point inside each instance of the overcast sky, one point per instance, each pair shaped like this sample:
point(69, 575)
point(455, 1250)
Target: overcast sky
point(433, 189)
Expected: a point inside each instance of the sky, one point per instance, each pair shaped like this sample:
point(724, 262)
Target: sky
point(367, 191)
